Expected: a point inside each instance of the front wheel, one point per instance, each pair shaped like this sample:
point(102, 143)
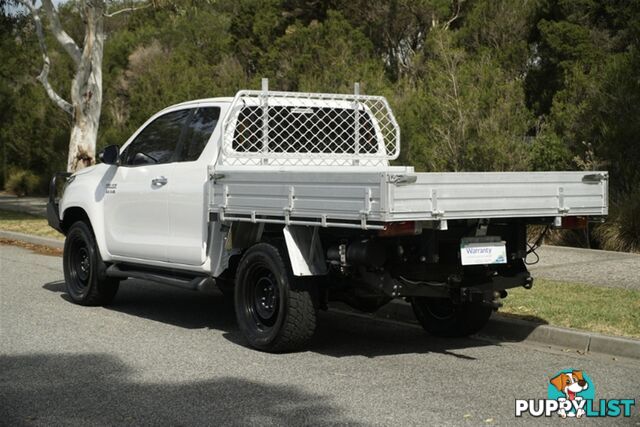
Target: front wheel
point(275, 309)
point(84, 270)
point(441, 317)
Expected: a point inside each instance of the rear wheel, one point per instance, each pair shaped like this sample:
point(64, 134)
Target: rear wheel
point(443, 318)
point(275, 310)
point(84, 270)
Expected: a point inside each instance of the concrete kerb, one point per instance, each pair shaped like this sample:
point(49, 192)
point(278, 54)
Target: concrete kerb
point(499, 327)
point(515, 330)
point(34, 240)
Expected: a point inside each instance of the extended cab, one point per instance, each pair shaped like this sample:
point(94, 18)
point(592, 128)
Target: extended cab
point(288, 201)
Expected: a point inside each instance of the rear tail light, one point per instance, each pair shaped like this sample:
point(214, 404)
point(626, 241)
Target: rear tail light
point(403, 228)
point(574, 222)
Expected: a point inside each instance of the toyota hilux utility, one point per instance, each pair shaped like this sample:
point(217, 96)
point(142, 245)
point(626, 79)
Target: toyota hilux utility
point(287, 201)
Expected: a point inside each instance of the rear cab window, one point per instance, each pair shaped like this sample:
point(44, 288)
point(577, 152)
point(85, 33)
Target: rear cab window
point(202, 124)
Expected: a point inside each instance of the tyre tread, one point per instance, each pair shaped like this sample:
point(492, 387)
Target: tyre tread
point(299, 323)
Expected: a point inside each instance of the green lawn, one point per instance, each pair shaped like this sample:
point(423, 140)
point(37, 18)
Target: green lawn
point(609, 311)
point(25, 223)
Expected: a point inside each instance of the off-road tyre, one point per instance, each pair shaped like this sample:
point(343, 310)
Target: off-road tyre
point(442, 318)
point(275, 309)
point(84, 270)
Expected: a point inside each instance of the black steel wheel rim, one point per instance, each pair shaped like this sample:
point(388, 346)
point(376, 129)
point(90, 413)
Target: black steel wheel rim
point(79, 264)
point(262, 299)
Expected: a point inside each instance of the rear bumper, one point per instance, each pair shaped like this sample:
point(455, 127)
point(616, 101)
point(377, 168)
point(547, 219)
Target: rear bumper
point(53, 211)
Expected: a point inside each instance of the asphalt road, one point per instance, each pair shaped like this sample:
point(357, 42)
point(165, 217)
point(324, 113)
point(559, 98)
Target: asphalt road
point(164, 356)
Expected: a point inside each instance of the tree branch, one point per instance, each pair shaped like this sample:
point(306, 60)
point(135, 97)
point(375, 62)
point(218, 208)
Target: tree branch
point(44, 74)
point(127, 9)
point(455, 15)
point(61, 35)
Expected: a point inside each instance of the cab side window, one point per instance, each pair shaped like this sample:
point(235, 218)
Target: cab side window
point(156, 143)
point(201, 126)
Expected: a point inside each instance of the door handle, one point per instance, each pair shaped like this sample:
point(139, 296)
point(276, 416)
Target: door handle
point(159, 181)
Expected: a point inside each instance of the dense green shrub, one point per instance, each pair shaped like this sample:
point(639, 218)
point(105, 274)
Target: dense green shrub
point(621, 231)
point(23, 183)
point(549, 152)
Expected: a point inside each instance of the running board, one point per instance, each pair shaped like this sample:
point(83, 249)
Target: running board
point(194, 283)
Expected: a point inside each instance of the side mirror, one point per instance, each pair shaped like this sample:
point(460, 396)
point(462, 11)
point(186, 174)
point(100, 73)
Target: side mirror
point(110, 155)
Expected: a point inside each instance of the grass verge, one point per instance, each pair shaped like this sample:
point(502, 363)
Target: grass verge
point(25, 223)
point(610, 311)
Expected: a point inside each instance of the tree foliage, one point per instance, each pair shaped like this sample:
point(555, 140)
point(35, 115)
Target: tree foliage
point(475, 84)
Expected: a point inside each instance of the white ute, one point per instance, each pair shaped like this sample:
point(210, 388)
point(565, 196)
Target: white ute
point(287, 201)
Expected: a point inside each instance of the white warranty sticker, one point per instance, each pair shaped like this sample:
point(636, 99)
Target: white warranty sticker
point(478, 252)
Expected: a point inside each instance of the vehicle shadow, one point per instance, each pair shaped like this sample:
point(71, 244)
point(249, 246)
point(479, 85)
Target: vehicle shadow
point(339, 333)
point(165, 304)
point(97, 389)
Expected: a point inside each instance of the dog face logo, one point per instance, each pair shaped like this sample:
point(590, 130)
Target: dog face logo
point(571, 386)
point(570, 383)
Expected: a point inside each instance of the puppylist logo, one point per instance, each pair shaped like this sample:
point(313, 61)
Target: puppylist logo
point(571, 393)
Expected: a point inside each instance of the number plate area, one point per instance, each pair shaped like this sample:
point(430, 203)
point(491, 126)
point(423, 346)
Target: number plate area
point(483, 250)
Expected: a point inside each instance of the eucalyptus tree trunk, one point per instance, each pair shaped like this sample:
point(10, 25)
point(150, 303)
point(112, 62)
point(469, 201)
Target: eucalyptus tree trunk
point(86, 87)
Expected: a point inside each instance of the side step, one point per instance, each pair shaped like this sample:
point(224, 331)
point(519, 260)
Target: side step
point(172, 278)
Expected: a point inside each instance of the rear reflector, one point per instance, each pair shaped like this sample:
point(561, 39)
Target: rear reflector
point(404, 228)
point(574, 222)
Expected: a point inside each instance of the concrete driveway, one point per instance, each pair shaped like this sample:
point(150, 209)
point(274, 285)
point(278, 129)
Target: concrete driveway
point(31, 205)
point(601, 268)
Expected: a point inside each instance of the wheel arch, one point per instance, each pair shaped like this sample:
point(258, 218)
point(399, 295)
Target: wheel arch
point(73, 214)
point(83, 199)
